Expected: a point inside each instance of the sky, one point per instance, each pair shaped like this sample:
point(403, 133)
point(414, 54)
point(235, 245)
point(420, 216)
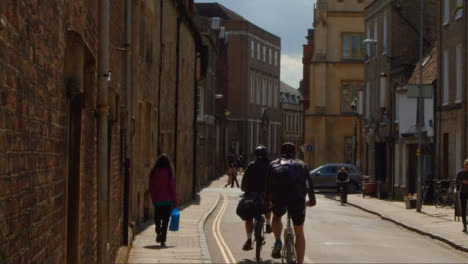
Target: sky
point(288, 19)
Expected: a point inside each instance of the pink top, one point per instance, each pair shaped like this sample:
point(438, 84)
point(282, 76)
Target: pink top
point(162, 186)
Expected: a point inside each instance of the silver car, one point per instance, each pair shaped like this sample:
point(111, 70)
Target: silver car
point(324, 177)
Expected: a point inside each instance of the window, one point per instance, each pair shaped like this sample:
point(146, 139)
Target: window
point(353, 46)
point(445, 95)
point(270, 56)
point(349, 91)
point(200, 101)
point(252, 49)
point(276, 58)
point(459, 9)
point(384, 38)
point(264, 54)
point(459, 73)
point(258, 51)
point(404, 164)
point(446, 12)
point(258, 89)
point(349, 150)
point(252, 88)
point(264, 93)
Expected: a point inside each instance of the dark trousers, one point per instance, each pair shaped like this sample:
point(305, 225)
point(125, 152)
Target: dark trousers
point(463, 199)
point(343, 191)
point(161, 220)
point(234, 179)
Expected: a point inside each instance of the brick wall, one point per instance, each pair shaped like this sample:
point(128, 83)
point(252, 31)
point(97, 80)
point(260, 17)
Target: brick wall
point(48, 137)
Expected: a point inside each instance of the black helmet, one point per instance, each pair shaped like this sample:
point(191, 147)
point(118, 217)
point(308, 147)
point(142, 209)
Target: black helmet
point(261, 151)
point(288, 149)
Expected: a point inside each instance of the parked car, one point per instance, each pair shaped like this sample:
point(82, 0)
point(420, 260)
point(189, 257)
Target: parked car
point(324, 177)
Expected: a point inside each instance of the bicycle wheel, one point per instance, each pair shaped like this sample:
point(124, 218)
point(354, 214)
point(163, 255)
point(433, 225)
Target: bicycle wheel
point(291, 255)
point(259, 240)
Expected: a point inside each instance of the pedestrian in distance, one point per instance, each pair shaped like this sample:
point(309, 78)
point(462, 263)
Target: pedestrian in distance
point(342, 180)
point(253, 184)
point(462, 189)
point(232, 170)
point(288, 184)
point(163, 195)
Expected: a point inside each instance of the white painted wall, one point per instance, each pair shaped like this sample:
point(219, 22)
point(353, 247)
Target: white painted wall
point(407, 109)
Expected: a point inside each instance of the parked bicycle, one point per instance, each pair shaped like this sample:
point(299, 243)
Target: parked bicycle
point(289, 249)
point(444, 193)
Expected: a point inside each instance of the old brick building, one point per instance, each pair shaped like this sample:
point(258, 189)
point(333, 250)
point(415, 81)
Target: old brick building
point(451, 95)
point(251, 96)
point(51, 108)
point(291, 117)
point(387, 155)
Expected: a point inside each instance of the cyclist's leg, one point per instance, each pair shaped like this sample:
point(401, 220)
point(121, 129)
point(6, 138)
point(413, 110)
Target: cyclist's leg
point(268, 222)
point(277, 226)
point(297, 212)
point(300, 243)
point(249, 231)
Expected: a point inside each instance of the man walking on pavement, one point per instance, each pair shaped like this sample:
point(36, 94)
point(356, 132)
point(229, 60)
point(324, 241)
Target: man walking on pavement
point(462, 187)
point(288, 183)
point(254, 182)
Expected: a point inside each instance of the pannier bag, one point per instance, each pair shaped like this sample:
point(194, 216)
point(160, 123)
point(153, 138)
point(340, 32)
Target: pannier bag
point(251, 205)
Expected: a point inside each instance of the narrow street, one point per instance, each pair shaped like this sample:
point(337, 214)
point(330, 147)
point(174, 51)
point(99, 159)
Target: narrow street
point(334, 234)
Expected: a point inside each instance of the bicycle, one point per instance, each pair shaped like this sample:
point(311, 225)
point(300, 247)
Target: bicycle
point(343, 192)
point(259, 235)
point(444, 193)
point(289, 249)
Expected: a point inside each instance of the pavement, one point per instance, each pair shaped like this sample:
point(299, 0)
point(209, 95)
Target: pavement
point(188, 245)
point(437, 223)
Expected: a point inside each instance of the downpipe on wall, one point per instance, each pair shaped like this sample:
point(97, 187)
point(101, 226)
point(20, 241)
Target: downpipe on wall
point(102, 129)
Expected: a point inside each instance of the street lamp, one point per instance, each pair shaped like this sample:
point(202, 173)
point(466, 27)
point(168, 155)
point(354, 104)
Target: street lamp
point(374, 112)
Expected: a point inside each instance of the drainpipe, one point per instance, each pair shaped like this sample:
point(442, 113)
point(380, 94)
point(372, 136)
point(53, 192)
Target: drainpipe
point(195, 129)
point(127, 132)
point(179, 23)
point(161, 43)
point(102, 140)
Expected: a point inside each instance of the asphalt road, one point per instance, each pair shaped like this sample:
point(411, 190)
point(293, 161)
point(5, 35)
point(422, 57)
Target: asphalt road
point(334, 234)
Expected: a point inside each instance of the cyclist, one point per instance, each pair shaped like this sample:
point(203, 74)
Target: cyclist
point(288, 183)
point(462, 187)
point(254, 182)
point(342, 179)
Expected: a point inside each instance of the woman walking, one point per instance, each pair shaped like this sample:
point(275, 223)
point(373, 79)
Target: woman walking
point(163, 194)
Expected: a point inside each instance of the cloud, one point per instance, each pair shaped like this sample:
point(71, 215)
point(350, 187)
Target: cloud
point(291, 69)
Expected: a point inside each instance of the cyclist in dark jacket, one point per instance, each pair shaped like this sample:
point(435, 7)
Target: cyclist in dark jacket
point(288, 184)
point(462, 187)
point(254, 182)
point(342, 179)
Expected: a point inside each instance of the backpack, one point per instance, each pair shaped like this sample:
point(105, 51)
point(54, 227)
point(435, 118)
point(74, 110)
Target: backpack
point(251, 205)
point(288, 183)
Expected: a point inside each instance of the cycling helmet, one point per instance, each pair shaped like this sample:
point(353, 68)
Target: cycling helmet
point(288, 149)
point(261, 151)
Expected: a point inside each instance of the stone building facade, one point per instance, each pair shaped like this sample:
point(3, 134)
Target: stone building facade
point(336, 80)
point(252, 110)
point(451, 95)
point(291, 117)
point(388, 155)
point(49, 136)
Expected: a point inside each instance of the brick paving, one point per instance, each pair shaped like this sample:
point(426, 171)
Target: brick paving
point(188, 245)
point(437, 223)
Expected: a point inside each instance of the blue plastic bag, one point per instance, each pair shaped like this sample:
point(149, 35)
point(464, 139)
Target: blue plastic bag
point(175, 217)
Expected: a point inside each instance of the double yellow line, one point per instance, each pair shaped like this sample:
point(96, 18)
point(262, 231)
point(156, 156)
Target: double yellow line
point(225, 251)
